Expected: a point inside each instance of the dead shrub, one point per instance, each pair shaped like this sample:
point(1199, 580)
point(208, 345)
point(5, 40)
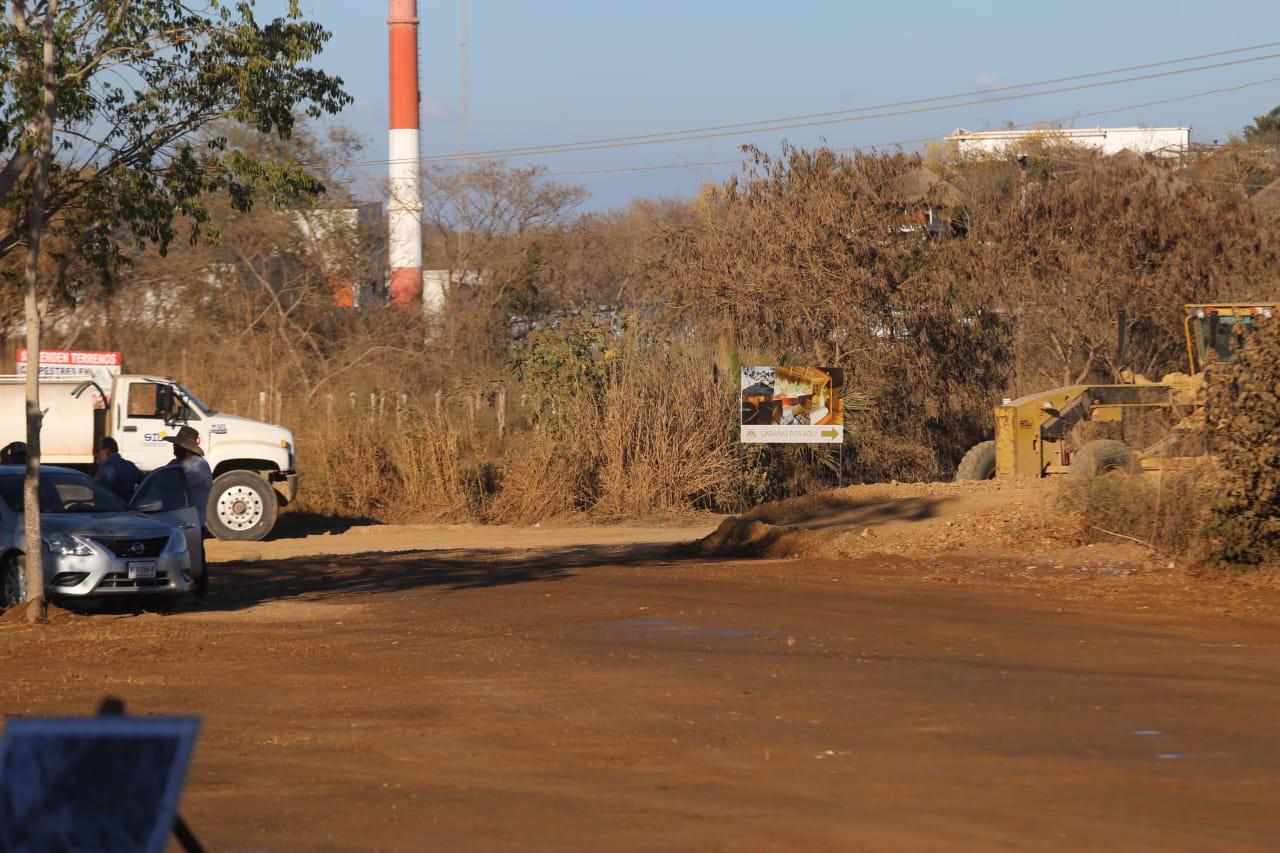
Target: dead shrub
point(1243, 415)
point(651, 434)
point(547, 480)
point(1166, 510)
point(666, 435)
point(359, 464)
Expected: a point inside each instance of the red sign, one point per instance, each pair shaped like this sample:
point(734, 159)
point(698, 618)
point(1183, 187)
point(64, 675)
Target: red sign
point(75, 358)
point(73, 363)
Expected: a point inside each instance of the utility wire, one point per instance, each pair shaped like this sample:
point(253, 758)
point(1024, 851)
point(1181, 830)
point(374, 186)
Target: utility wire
point(900, 142)
point(767, 128)
point(982, 93)
point(848, 119)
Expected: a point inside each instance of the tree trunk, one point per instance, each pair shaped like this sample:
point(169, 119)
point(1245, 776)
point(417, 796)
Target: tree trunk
point(34, 544)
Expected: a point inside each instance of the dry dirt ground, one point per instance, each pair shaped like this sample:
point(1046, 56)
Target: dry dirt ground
point(940, 667)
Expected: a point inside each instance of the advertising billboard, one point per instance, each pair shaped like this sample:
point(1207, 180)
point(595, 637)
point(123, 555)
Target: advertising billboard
point(792, 405)
point(73, 364)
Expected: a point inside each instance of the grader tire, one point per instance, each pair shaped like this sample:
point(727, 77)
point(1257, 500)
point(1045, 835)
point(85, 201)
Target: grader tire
point(1104, 456)
point(979, 463)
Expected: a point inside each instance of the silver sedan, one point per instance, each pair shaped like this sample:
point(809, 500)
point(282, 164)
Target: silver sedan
point(95, 545)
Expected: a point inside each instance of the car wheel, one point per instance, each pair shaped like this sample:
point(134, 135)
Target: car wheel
point(242, 506)
point(13, 583)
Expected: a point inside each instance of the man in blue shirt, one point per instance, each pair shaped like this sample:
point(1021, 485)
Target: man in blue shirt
point(115, 473)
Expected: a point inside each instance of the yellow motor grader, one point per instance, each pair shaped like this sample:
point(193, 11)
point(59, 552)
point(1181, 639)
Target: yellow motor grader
point(1033, 433)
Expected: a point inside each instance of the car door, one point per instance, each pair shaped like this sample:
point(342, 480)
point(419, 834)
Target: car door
point(166, 497)
point(142, 425)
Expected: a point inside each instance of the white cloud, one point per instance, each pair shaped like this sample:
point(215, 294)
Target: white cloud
point(986, 80)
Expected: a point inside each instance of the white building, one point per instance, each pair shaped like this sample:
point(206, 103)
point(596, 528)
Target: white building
point(1162, 141)
point(436, 285)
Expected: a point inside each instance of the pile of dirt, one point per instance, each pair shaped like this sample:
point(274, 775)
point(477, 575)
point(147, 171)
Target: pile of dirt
point(905, 518)
point(742, 537)
point(17, 615)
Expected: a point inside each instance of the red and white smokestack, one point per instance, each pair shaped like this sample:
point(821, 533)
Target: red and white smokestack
point(404, 211)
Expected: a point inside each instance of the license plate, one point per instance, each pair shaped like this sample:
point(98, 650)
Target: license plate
point(141, 571)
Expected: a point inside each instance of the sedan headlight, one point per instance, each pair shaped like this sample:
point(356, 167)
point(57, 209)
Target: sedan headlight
point(177, 542)
point(67, 545)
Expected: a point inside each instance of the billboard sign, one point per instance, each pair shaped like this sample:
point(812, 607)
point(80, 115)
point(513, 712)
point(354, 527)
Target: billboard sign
point(98, 367)
point(71, 364)
point(792, 405)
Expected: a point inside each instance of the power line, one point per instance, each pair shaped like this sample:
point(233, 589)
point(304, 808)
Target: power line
point(915, 102)
point(641, 141)
point(900, 142)
point(849, 119)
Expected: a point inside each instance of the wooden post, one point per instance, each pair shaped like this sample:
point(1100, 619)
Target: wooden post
point(439, 401)
point(262, 406)
point(502, 412)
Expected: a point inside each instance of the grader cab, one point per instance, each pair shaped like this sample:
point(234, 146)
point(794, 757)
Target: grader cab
point(1036, 435)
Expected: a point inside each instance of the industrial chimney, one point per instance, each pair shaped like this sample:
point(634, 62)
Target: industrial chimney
point(404, 210)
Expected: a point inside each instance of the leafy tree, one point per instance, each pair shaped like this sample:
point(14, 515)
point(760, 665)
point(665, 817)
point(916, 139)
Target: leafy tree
point(103, 105)
point(1264, 127)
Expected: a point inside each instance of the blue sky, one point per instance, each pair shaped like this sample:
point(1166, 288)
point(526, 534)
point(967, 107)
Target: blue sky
point(552, 71)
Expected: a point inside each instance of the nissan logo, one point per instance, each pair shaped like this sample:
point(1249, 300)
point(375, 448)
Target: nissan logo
point(137, 548)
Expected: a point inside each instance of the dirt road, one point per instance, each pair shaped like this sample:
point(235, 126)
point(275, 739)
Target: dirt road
point(605, 695)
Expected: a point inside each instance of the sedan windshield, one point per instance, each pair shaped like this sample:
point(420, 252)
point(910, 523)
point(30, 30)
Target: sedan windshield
point(62, 493)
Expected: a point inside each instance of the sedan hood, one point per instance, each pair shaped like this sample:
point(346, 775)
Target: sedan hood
point(122, 525)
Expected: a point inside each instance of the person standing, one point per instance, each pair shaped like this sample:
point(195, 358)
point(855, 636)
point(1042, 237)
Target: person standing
point(188, 456)
point(115, 473)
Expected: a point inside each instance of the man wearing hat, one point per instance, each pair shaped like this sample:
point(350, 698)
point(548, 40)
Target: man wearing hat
point(188, 456)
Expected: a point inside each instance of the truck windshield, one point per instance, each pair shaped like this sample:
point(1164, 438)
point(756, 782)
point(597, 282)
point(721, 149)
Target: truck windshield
point(196, 401)
point(61, 493)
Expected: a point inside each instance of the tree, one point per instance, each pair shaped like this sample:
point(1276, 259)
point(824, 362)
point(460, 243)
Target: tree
point(820, 258)
point(1264, 127)
point(103, 103)
point(480, 216)
point(483, 222)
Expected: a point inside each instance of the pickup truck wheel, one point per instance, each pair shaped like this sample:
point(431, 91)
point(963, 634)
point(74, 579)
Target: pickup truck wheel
point(13, 586)
point(242, 506)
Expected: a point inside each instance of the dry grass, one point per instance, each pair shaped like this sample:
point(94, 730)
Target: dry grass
point(657, 440)
point(359, 464)
point(548, 480)
point(1165, 510)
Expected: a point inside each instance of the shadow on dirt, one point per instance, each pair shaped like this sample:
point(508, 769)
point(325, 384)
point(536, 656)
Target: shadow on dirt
point(831, 513)
point(241, 584)
point(296, 525)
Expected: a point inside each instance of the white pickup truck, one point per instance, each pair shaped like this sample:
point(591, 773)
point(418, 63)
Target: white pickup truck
point(254, 467)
